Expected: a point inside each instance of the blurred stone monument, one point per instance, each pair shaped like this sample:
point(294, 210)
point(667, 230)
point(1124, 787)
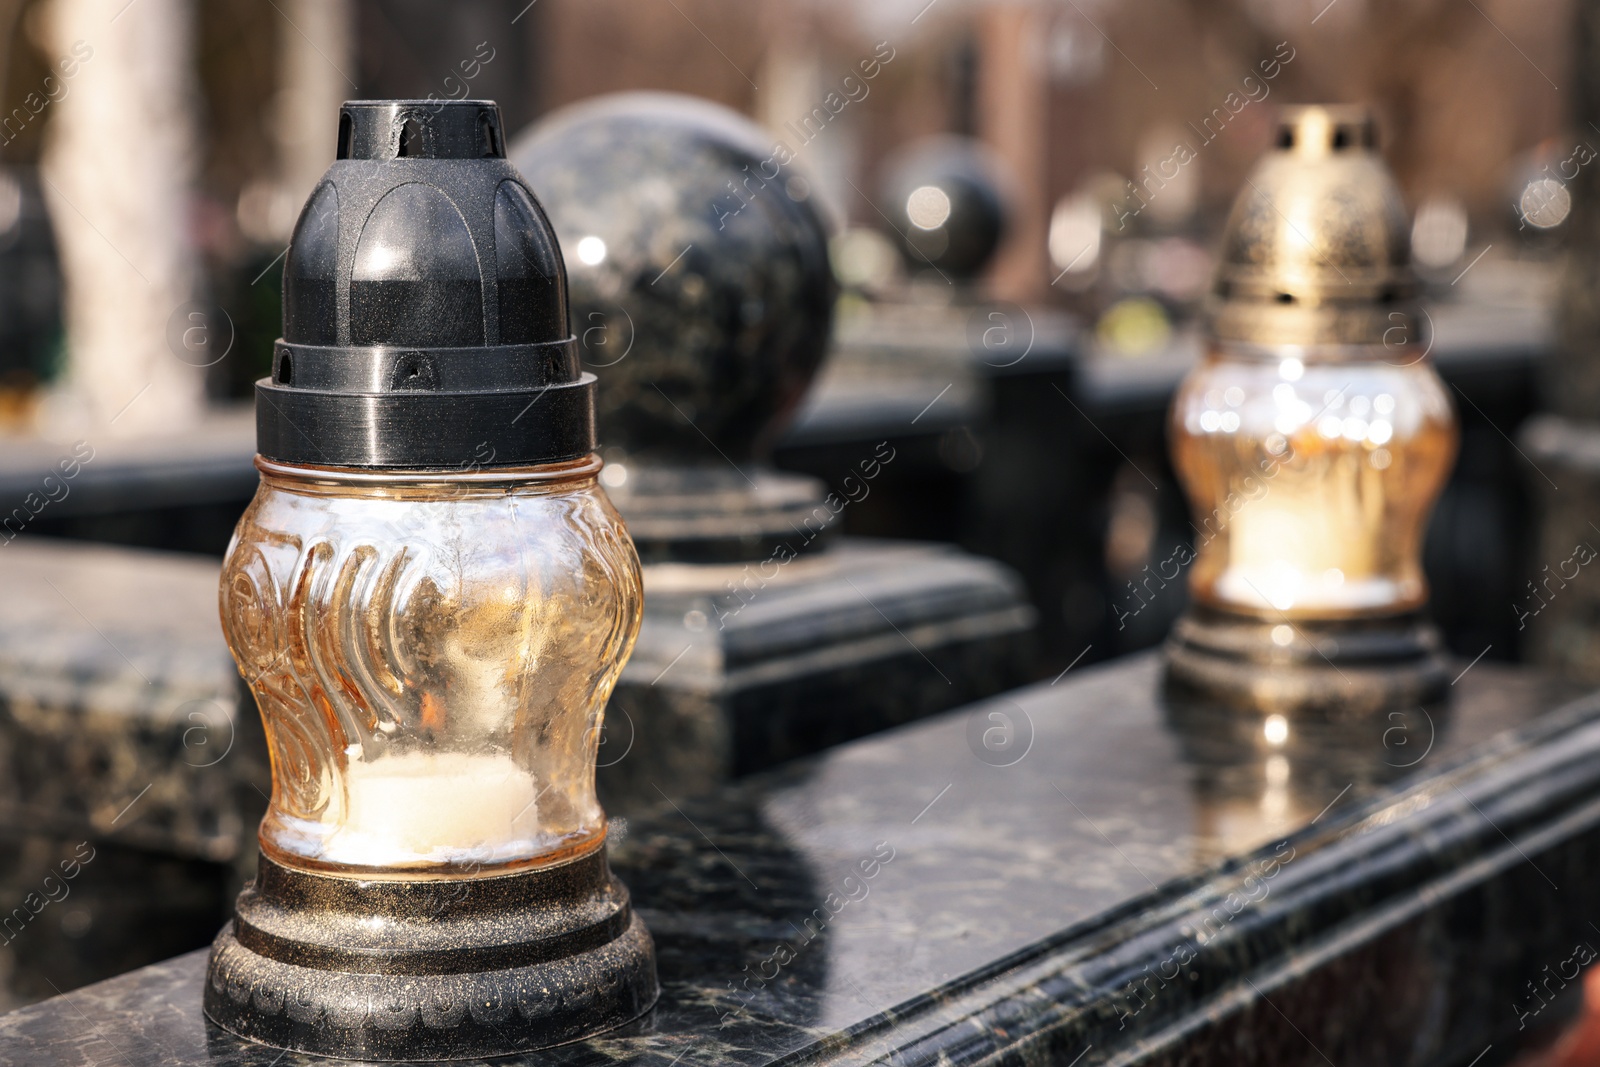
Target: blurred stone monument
point(118, 166)
point(1557, 611)
point(131, 775)
point(972, 387)
point(702, 296)
point(920, 325)
point(30, 294)
point(315, 64)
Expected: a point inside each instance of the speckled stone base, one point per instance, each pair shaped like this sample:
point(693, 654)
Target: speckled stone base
point(428, 970)
point(122, 737)
point(1350, 669)
point(1120, 894)
point(741, 667)
point(684, 514)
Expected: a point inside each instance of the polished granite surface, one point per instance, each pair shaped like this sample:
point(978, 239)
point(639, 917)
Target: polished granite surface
point(116, 687)
point(1002, 881)
point(121, 739)
point(123, 726)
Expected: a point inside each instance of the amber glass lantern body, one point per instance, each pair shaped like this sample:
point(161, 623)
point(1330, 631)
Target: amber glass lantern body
point(1312, 471)
point(431, 599)
point(432, 654)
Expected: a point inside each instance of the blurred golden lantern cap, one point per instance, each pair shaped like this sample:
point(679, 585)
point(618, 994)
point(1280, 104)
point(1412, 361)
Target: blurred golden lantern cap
point(1317, 246)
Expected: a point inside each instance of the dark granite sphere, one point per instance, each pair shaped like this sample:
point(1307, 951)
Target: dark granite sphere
point(946, 199)
point(699, 282)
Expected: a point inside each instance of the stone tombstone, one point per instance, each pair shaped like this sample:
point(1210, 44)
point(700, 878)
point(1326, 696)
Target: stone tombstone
point(1557, 610)
point(132, 770)
point(1117, 883)
point(947, 203)
point(702, 297)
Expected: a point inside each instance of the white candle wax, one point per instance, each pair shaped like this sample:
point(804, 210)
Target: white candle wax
point(435, 808)
point(1290, 550)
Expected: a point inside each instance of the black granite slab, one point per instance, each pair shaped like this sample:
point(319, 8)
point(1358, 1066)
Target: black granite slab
point(1106, 878)
point(739, 667)
point(125, 754)
point(181, 491)
point(124, 727)
point(116, 686)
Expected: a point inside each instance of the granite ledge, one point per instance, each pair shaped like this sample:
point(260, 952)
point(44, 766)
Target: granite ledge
point(1396, 914)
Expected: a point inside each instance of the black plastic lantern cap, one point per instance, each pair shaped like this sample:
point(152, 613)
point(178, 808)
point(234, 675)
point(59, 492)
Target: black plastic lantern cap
point(424, 306)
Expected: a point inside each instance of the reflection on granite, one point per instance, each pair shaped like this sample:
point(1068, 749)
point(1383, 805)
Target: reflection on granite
point(1119, 887)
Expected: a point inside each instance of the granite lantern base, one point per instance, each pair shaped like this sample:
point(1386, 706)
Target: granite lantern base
point(431, 969)
point(1340, 669)
point(766, 637)
point(739, 667)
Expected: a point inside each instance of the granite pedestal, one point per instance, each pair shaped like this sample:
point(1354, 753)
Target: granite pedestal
point(762, 639)
point(130, 779)
point(1073, 873)
point(1557, 601)
point(124, 728)
point(739, 667)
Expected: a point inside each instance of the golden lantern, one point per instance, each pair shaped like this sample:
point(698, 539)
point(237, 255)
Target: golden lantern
point(1312, 440)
